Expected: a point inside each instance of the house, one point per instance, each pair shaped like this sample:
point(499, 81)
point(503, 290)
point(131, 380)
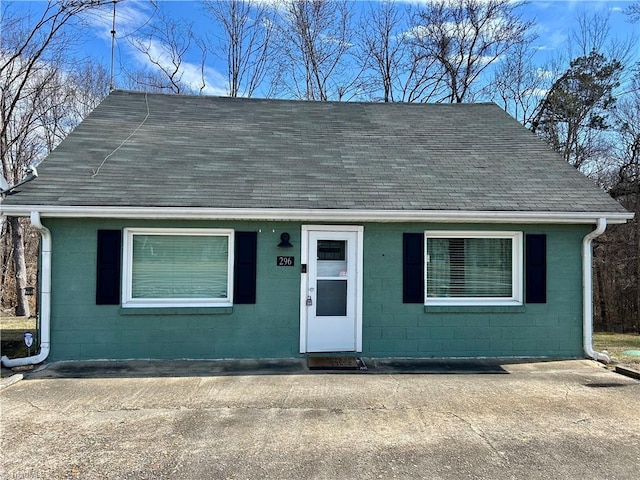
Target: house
point(204, 227)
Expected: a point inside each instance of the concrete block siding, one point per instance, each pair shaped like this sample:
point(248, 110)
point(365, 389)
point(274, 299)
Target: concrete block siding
point(392, 328)
point(270, 328)
point(83, 330)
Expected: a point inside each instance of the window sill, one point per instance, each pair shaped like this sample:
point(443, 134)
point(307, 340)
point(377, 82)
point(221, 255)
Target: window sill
point(177, 311)
point(474, 309)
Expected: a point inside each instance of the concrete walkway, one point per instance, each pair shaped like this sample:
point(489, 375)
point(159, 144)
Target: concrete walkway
point(235, 420)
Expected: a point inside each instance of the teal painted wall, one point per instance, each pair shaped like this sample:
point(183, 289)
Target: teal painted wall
point(270, 328)
point(392, 328)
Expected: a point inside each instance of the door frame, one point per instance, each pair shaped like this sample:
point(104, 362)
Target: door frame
point(304, 278)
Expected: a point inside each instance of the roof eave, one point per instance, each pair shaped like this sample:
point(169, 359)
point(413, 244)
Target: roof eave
point(316, 215)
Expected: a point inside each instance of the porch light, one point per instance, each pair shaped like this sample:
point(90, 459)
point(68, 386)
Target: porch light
point(284, 241)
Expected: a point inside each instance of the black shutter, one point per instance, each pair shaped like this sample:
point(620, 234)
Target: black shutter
point(536, 265)
point(244, 283)
point(108, 267)
point(413, 268)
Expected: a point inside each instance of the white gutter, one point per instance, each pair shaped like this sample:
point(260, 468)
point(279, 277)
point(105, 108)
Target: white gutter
point(45, 300)
point(587, 293)
point(45, 294)
point(317, 215)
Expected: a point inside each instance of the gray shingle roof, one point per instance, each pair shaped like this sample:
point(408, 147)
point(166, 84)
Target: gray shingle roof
point(195, 151)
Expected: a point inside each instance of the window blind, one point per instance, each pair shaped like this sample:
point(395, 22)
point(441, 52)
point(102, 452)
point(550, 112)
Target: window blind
point(469, 267)
point(179, 266)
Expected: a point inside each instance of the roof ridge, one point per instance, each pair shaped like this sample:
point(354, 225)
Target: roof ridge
point(294, 100)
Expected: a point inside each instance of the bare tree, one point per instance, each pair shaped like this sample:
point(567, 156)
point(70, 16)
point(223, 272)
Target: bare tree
point(617, 253)
point(466, 37)
point(626, 119)
point(393, 68)
point(384, 48)
point(165, 43)
point(143, 79)
point(246, 28)
point(314, 39)
point(32, 82)
point(89, 85)
point(518, 83)
point(634, 11)
point(26, 49)
point(32, 49)
point(608, 138)
point(594, 33)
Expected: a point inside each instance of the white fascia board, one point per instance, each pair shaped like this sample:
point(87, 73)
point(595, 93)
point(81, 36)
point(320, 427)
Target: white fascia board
point(318, 215)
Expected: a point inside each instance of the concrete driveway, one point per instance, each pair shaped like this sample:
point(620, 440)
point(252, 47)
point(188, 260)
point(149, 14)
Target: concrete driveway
point(206, 420)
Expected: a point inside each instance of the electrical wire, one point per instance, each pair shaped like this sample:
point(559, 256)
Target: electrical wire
point(96, 171)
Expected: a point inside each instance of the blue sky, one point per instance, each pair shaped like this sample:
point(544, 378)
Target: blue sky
point(555, 20)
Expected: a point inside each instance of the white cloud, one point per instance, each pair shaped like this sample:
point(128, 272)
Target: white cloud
point(189, 74)
point(131, 15)
point(548, 74)
point(551, 40)
point(215, 83)
point(537, 92)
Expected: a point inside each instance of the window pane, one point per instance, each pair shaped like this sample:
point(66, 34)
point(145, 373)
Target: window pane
point(331, 249)
point(469, 267)
point(179, 266)
point(331, 298)
point(332, 258)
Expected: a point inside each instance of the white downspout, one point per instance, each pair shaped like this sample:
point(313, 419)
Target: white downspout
point(45, 300)
point(587, 293)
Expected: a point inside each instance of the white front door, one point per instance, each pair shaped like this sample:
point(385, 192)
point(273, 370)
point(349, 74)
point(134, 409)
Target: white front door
point(331, 292)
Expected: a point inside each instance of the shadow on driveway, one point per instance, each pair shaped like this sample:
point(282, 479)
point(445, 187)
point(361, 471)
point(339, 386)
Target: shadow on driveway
point(298, 366)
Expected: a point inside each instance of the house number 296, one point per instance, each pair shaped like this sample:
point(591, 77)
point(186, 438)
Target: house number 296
point(285, 261)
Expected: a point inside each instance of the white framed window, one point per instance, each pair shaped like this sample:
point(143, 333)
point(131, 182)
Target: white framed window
point(473, 268)
point(177, 267)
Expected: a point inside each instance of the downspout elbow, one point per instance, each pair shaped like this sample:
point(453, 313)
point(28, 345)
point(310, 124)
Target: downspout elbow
point(45, 300)
point(587, 293)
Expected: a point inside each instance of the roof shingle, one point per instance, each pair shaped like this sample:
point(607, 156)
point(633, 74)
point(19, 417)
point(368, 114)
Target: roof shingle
point(216, 152)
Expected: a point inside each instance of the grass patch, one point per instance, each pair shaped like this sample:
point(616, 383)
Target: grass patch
point(11, 336)
point(616, 344)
